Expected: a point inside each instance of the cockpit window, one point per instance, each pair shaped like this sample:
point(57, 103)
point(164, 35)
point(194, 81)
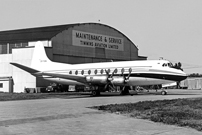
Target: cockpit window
point(171, 65)
point(167, 65)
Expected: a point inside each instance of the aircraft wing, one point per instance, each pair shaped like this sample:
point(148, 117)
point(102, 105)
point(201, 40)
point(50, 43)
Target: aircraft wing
point(28, 69)
point(36, 73)
point(81, 79)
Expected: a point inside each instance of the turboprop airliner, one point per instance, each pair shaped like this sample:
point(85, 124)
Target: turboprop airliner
point(100, 76)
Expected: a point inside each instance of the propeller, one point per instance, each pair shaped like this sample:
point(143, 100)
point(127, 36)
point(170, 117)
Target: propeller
point(126, 79)
point(110, 79)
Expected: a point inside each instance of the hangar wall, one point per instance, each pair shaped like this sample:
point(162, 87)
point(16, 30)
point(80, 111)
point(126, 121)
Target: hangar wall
point(65, 51)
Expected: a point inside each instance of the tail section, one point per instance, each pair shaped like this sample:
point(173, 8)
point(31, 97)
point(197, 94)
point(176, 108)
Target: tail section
point(39, 58)
point(40, 61)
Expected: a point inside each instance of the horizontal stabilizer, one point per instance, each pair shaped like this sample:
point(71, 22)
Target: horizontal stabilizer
point(28, 69)
point(81, 79)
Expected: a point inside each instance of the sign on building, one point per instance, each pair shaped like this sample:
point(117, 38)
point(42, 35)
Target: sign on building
point(86, 39)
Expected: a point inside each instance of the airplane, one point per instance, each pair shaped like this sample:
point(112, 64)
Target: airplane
point(102, 76)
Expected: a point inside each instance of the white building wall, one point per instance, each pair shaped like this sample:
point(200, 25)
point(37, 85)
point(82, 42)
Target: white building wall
point(21, 78)
point(192, 83)
point(5, 87)
point(6, 70)
point(5, 67)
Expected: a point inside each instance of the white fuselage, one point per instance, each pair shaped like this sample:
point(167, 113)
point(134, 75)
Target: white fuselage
point(147, 72)
point(125, 73)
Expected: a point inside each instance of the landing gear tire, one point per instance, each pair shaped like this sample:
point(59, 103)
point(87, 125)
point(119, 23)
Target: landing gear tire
point(125, 91)
point(95, 93)
point(163, 92)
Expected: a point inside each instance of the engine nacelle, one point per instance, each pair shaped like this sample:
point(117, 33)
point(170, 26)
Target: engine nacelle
point(97, 79)
point(118, 80)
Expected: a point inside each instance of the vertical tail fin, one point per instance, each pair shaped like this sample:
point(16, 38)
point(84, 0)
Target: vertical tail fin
point(39, 58)
point(41, 62)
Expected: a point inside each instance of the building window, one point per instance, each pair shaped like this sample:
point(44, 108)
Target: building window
point(3, 49)
point(46, 43)
point(18, 45)
point(11, 46)
point(1, 85)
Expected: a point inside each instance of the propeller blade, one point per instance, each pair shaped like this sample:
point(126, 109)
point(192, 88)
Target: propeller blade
point(113, 85)
point(110, 79)
point(113, 72)
point(106, 86)
point(127, 78)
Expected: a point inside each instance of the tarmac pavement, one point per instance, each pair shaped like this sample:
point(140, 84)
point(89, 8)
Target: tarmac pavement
point(71, 116)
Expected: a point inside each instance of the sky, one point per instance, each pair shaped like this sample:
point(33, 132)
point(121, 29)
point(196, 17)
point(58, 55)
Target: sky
point(171, 29)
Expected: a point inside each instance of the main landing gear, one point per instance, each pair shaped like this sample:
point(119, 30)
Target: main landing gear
point(95, 93)
point(125, 90)
point(163, 92)
point(95, 90)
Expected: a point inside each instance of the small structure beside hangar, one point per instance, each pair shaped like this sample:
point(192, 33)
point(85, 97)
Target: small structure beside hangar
point(71, 43)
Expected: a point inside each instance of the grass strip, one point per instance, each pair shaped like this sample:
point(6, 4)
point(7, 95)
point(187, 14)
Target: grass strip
point(29, 96)
point(181, 112)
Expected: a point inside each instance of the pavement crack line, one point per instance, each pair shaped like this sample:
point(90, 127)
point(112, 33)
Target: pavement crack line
point(42, 118)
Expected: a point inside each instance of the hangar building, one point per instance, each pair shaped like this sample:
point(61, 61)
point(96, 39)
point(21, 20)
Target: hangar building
point(71, 43)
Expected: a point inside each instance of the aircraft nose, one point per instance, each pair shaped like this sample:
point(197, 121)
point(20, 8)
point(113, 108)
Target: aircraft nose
point(184, 75)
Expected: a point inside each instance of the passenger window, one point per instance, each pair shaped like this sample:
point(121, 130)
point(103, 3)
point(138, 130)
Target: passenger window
point(82, 72)
point(95, 71)
point(76, 72)
point(89, 72)
point(70, 72)
point(101, 71)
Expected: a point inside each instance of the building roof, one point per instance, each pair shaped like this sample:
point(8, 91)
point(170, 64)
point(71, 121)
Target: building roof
point(31, 34)
point(39, 33)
